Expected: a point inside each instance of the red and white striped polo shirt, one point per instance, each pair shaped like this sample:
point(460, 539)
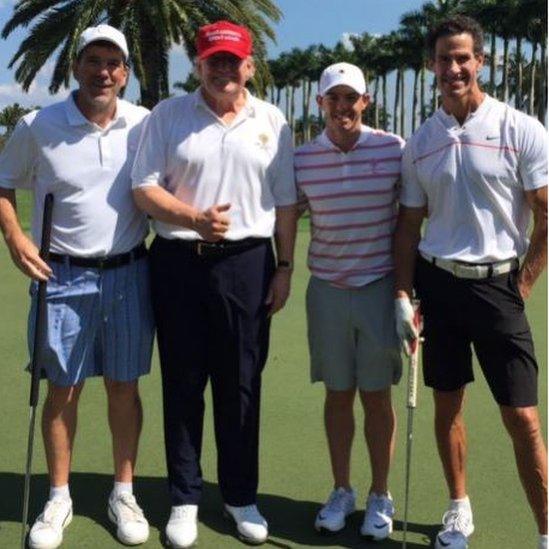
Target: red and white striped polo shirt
point(352, 200)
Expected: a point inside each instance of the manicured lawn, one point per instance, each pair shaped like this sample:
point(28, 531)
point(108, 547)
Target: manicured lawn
point(295, 473)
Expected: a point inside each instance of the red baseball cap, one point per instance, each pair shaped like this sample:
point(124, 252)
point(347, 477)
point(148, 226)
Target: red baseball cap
point(223, 36)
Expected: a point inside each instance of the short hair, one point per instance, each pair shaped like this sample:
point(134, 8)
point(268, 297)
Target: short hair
point(459, 24)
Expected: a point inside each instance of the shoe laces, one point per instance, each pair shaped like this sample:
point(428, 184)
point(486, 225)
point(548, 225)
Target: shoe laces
point(52, 510)
point(455, 521)
point(249, 513)
point(183, 512)
point(128, 508)
point(336, 501)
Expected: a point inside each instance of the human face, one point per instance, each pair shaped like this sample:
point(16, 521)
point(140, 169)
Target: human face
point(101, 73)
point(456, 67)
point(223, 75)
point(343, 108)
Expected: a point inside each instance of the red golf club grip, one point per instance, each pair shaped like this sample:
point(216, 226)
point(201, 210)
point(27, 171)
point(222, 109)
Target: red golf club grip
point(41, 324)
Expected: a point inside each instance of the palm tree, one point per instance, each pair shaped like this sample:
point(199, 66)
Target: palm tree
point(10, 115)
point(150, 26)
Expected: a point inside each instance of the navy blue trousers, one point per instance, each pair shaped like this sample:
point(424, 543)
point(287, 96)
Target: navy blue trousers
point(211, 325)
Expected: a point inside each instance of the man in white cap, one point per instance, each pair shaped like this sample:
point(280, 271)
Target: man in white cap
point(347, 177)
point(99, 313)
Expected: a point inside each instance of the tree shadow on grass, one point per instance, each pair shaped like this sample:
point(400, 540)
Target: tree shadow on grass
point(290, 521)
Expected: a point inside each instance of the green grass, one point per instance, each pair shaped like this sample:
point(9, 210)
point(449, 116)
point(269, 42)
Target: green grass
point(295, 472)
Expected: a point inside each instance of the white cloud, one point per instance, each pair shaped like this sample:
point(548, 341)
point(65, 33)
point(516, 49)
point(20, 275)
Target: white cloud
point(37, 95)
point(346, 40)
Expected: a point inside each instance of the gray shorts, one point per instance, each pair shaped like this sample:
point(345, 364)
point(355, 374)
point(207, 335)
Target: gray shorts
point(352, 335)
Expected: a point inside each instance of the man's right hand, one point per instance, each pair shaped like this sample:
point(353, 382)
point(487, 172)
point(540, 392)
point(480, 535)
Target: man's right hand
point(213, 223)
point(26, 257)
point(405, 326)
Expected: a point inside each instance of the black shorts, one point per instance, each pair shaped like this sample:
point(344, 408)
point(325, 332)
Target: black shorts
point(489, 313)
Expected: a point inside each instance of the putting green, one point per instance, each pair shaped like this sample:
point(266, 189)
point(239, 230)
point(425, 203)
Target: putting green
point(295, 472)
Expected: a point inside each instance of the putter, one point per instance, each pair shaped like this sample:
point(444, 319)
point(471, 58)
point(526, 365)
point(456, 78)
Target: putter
point(411, 399)
point(39, 343)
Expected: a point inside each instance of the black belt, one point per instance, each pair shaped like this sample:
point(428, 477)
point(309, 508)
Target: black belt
point(109, 262)
point(222, 248)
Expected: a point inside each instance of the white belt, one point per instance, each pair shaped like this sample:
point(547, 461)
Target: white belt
point(462, 269)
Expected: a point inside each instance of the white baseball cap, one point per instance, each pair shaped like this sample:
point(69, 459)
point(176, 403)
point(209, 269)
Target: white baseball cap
point(103, 32)
point(342, 74)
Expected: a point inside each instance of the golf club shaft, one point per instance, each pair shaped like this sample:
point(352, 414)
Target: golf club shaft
point(40, 338)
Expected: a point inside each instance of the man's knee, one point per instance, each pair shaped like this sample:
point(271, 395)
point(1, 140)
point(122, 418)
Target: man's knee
point(60, 398)
point(377, 402)
point(521, 423)
point(340, 400)
point(121, 392)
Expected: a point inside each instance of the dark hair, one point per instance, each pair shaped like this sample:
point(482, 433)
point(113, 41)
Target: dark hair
point(458, 24)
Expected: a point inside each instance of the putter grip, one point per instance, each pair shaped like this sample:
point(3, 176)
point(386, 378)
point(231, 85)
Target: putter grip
point(41, 319)
point(412, 377)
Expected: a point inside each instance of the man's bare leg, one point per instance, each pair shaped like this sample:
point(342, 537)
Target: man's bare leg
point(451, 439)
point(125, 421)
point(340, 429)
point(524, 428)
point(379, 431)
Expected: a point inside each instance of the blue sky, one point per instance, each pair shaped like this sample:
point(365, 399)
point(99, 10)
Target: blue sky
point(305, 22)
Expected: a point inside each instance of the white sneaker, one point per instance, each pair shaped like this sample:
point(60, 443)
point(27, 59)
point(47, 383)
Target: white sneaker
point(542, 541)
point(132, 526)
point(340, 504)
point(47, 530)
point(457, 526)
point(251, 526)
point(378, 517)
point(181, 530)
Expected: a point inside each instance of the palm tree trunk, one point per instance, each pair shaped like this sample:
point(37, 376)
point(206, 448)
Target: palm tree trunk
point(402, 103)
point(505, 80)
point(150, 88)
point(287, 99)
point(422, 92)
point(532, 94)
point(434, 97)
point(308, 108)
point(397, 97)
point(384, 90)
point(493, 64)
point(518, 82)
point(376, 106)
point(291, 121)
point(278, 94)
point(542, 105)
point(414, 103)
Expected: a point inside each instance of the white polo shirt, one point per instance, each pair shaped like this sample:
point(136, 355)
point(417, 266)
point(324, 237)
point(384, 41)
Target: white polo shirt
point(352, 198)
point(87, 168)
point(473, 178)
point(190, 152)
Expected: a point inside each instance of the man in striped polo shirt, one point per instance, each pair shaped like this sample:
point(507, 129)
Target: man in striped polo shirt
point(347, 178)
point(476, 170)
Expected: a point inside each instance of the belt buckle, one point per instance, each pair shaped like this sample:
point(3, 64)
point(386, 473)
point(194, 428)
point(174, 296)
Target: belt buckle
point(199, 246)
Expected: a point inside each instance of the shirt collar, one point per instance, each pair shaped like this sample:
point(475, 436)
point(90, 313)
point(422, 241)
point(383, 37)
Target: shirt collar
point(76, 118)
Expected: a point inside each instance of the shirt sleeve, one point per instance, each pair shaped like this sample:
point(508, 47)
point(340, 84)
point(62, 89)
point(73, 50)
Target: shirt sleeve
point(532, 163)
point(282, 170)
point(17, 159)
point(150, 164)
point(411, 191)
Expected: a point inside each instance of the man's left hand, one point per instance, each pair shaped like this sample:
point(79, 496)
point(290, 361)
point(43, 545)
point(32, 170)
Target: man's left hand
point(279, 290)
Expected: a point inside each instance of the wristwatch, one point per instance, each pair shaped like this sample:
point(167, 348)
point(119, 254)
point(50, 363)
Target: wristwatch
point(284, 264)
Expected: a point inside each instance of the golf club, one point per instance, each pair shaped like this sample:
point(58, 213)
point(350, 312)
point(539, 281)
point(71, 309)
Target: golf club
point(41, 322)
point(411, 399)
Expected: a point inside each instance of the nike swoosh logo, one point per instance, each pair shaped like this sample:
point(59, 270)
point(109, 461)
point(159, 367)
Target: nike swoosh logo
point(380, 526)
point(491, 137)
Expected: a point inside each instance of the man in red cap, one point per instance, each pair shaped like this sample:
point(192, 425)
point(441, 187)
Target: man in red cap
point(215, 172)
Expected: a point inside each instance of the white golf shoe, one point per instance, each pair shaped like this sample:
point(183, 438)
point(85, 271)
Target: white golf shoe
point(182, 530)
point(251, 526)
point(542, 541)
point(132, 527)
point(331, 518)
point(47, 530)
point(378, 517)
point(457, 526)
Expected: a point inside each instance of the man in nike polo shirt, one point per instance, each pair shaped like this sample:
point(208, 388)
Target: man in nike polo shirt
point(476, 170)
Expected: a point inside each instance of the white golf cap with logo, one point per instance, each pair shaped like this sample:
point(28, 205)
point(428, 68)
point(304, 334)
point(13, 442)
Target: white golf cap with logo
point(103, 33)
point(342, 74)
